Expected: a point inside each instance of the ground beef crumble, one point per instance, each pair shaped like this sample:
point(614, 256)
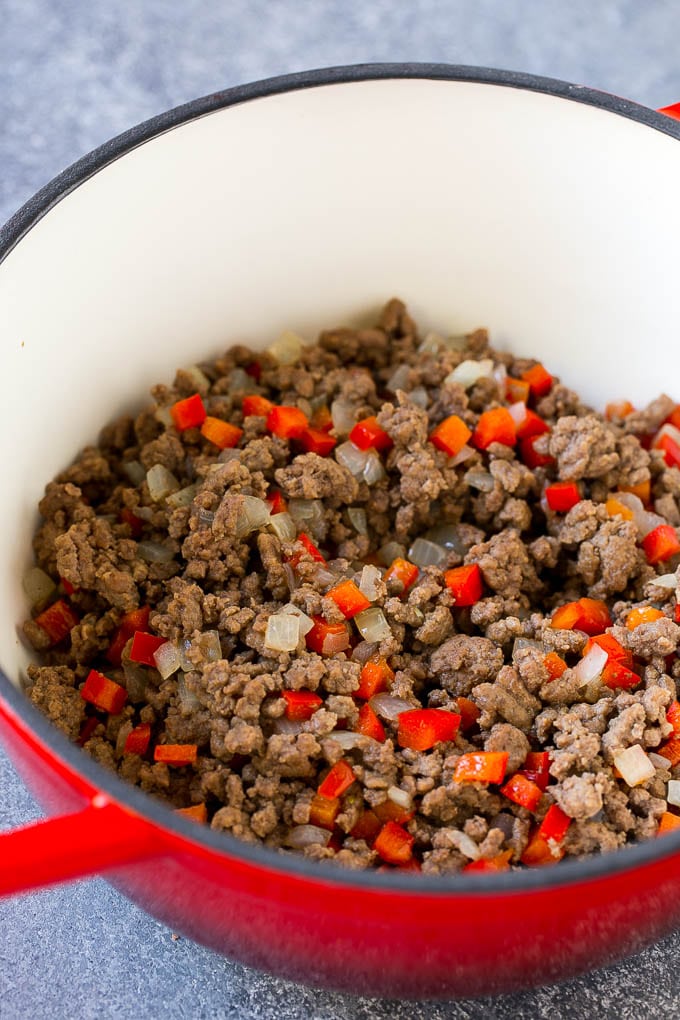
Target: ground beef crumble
point(152, 532)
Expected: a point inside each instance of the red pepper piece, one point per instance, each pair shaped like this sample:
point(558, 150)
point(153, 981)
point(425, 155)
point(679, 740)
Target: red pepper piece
point(451, 435)
point(674, 417)
point(221, 433)
point(394, 844)
point(375, 677)
point(538, 761)
point(277, 502)
point(516, 390)
point(134, 523)
point(673, 716)
point(367, 827)
point(617, 675)
point(522, 791)
point(555, 824)
point(143, 647)
point(88, 728)
point(618, 409)
point(469, 713)
point(389, 811)
point(349, 599)
point(189, 413)
point(642, 614)
point(613, 648)
point(254, 370)
point(136, 619)
point(422, 728)
point(671, 449)
point(465, 584)
point(104, 694)
point(322, 419)
point(668, 823)
point(256, 405)
point(308, 547)
point(195, 813)
point(287, 422)
point(541, 779)
point(501, 862)
point(137, 741)
point(367, 434)
point(69, 589)
point(677, 613)
point(555, 665)
point(662, 543)
point(562, 496)
point(539, 379)
point(369, 724)
point(495, 426)
point(530, 455)
point(403, 571)
point(671, 750)
point(338, 780)
point(539, 852)
point(316, 441)
point(176, 754)
point(643, 490)
point(532, 425)
point(57, 621)
point(323, 636)
point(323, 811)
point(301, 705)
point(412, 865)
point(481, 767)
point(589, 615)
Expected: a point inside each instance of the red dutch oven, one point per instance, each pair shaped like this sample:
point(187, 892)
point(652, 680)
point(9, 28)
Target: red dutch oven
point(546, 211)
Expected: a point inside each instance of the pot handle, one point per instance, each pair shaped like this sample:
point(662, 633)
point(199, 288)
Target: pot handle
point(671, 111)
point(101, 836)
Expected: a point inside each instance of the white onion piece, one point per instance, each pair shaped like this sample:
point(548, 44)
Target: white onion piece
point(419, 397)
point(634, 765)
point(343, 416)
point(37, 585)
point(518, 412)
point(521, 642)
point(465, 844)
point(287, 727)
point(163, 416)
point(363, 651)
point(665, 581)
point(448, 536)
point(390, 552)
point(372, 624)
point(187, 698)
point(324, 577)
point(478, 479)
point(308, 514)
point(500, 374)
point(658, 760)
point(349, 741)
point(306, 623)
point(463, 454)
point(155, 552)
point(161, 482)
point(644, 520)
point(333, 643)
point(283, 632)
point(254, 513)
point(590, 666)
point(370, 575)
point(287, 349)
point(398, 379)
point(225, 456)
point(135, 471)
point(387, 706)
point(167, 659)
point(209, 644)
point(183, 497)
point(425, 553)
point(667, 430)
point(400, 797)
point(431, 344)
point(373, 468)
point(198, 378)
point(301, 836)
point(357, 518)
point(145, 513)
point(468, 372)
point(673, 794)
point(205, 517)
point(283, 527)
point(352, 458)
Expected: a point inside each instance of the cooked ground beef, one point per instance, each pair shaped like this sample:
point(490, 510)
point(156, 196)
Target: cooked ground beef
point(476, 665)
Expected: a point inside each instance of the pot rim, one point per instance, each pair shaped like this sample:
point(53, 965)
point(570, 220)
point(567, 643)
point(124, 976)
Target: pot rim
point(569, 872)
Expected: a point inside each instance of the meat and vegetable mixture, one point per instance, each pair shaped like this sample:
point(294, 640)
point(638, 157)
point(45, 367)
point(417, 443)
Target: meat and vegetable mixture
point(388, 600)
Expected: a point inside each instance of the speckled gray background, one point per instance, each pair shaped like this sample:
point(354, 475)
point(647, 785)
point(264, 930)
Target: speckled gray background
point(74, 73)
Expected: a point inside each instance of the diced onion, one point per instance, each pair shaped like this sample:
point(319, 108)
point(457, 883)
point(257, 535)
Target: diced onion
point(468, 372)
point(590, 666)
point(210, 645)
point(333, 643)
point(448, 536)
point(425, 553)
point(254, 513)
point(370, 575)
point(283, 527)
point(644, 520)
point(658, 760)
point(301, 836)
point(373, 625)
point(463, 454)
point(500, 374)
point(465, 844)
point(283, 632)
point(364, 650)
point(357, 518)
point(136, 680)
point(390, 551)
point(665, 581)
point(398, 379)
point(289, 727)
point(634, 765)
point(673, 794)
point(518, 412)
point(431, 344)
point(183, 497)
point(343, 416)
point(373, 469)
point(226, 456)
point(349, 741)
point(239, 380)
point(287, 349)
point(478, 479)
point(387, 706)
point(155, 552)
point(167, 659)
point(324, 577)
point(419, 397)
point(184, 661)
point(522, 642)
point(308, 514)
point(163, 416)
point(400, 797)
point(306, 623)
point(351, 457)
point(135, 471)
point(187, 698)
point(206, 517)
point(37, 585)
point(198, 378)
point(161, 482)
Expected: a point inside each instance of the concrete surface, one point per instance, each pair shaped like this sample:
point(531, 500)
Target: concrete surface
point(72, 74)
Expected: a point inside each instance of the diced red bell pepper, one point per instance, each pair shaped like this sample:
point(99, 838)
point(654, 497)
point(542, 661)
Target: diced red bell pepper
point(375, 677)
point(195, 813)
point(465, 584)
point(176, 754)
point(562, 496)
point(555, 665)
point(538, 761)
point(254, 370)
point(136, 619)
point(301, 705)
point(323, 637)
point(256, 405)
point(674, 417)
point(389, 811)
point(134, 523)
point(613, 648)
point(349, 599)
point(618, 409)
point(394, 844)
point(369, 724)
point(643, 490)
point(104, 694)
point(143, 647)
point(403, 571)
point(338, 780)
point(87, 729)
point(495, 426)
point(287, 422)
point(481, 767)
point(668, 823)
point(450, 435)
point(501, 862)
point(532, 425)
point(321, 419)
point(137, 741)
point(555, 824)
point(541, 779)
point(589, 615)
point(539, 852)
point(516, 390)
point(277, 502)
point(309, 548)
point(642, 614)
point(522, 791)
point(367, 435)
point(539, 379)
point(469, 713)
point(662, 543)
point(671, 449)
point(531, 456)
point(677, 612)
point(422, 728)
point(323, 811)
point(366, 827)
point(69, 589)
point(671, 750)
point(221, 433)
point(618, 675)
point(57, 621)
point(673, 716)
point(189, 413)
point(315, 441)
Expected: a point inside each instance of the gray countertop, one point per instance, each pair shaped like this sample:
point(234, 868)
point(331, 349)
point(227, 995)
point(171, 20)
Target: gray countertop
point(73, 74)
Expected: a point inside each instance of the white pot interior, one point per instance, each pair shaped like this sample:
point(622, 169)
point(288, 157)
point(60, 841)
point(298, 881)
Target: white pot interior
point(553, 223)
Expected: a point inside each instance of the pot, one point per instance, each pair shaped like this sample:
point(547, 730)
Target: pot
point(543, 210)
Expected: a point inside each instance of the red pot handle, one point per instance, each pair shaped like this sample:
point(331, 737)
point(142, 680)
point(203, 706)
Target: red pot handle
point(100, 837)
point(671, 111)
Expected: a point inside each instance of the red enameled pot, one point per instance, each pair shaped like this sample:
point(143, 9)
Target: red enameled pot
point(544, 210)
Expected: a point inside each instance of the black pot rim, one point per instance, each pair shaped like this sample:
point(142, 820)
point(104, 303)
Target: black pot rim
point(567, 873)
